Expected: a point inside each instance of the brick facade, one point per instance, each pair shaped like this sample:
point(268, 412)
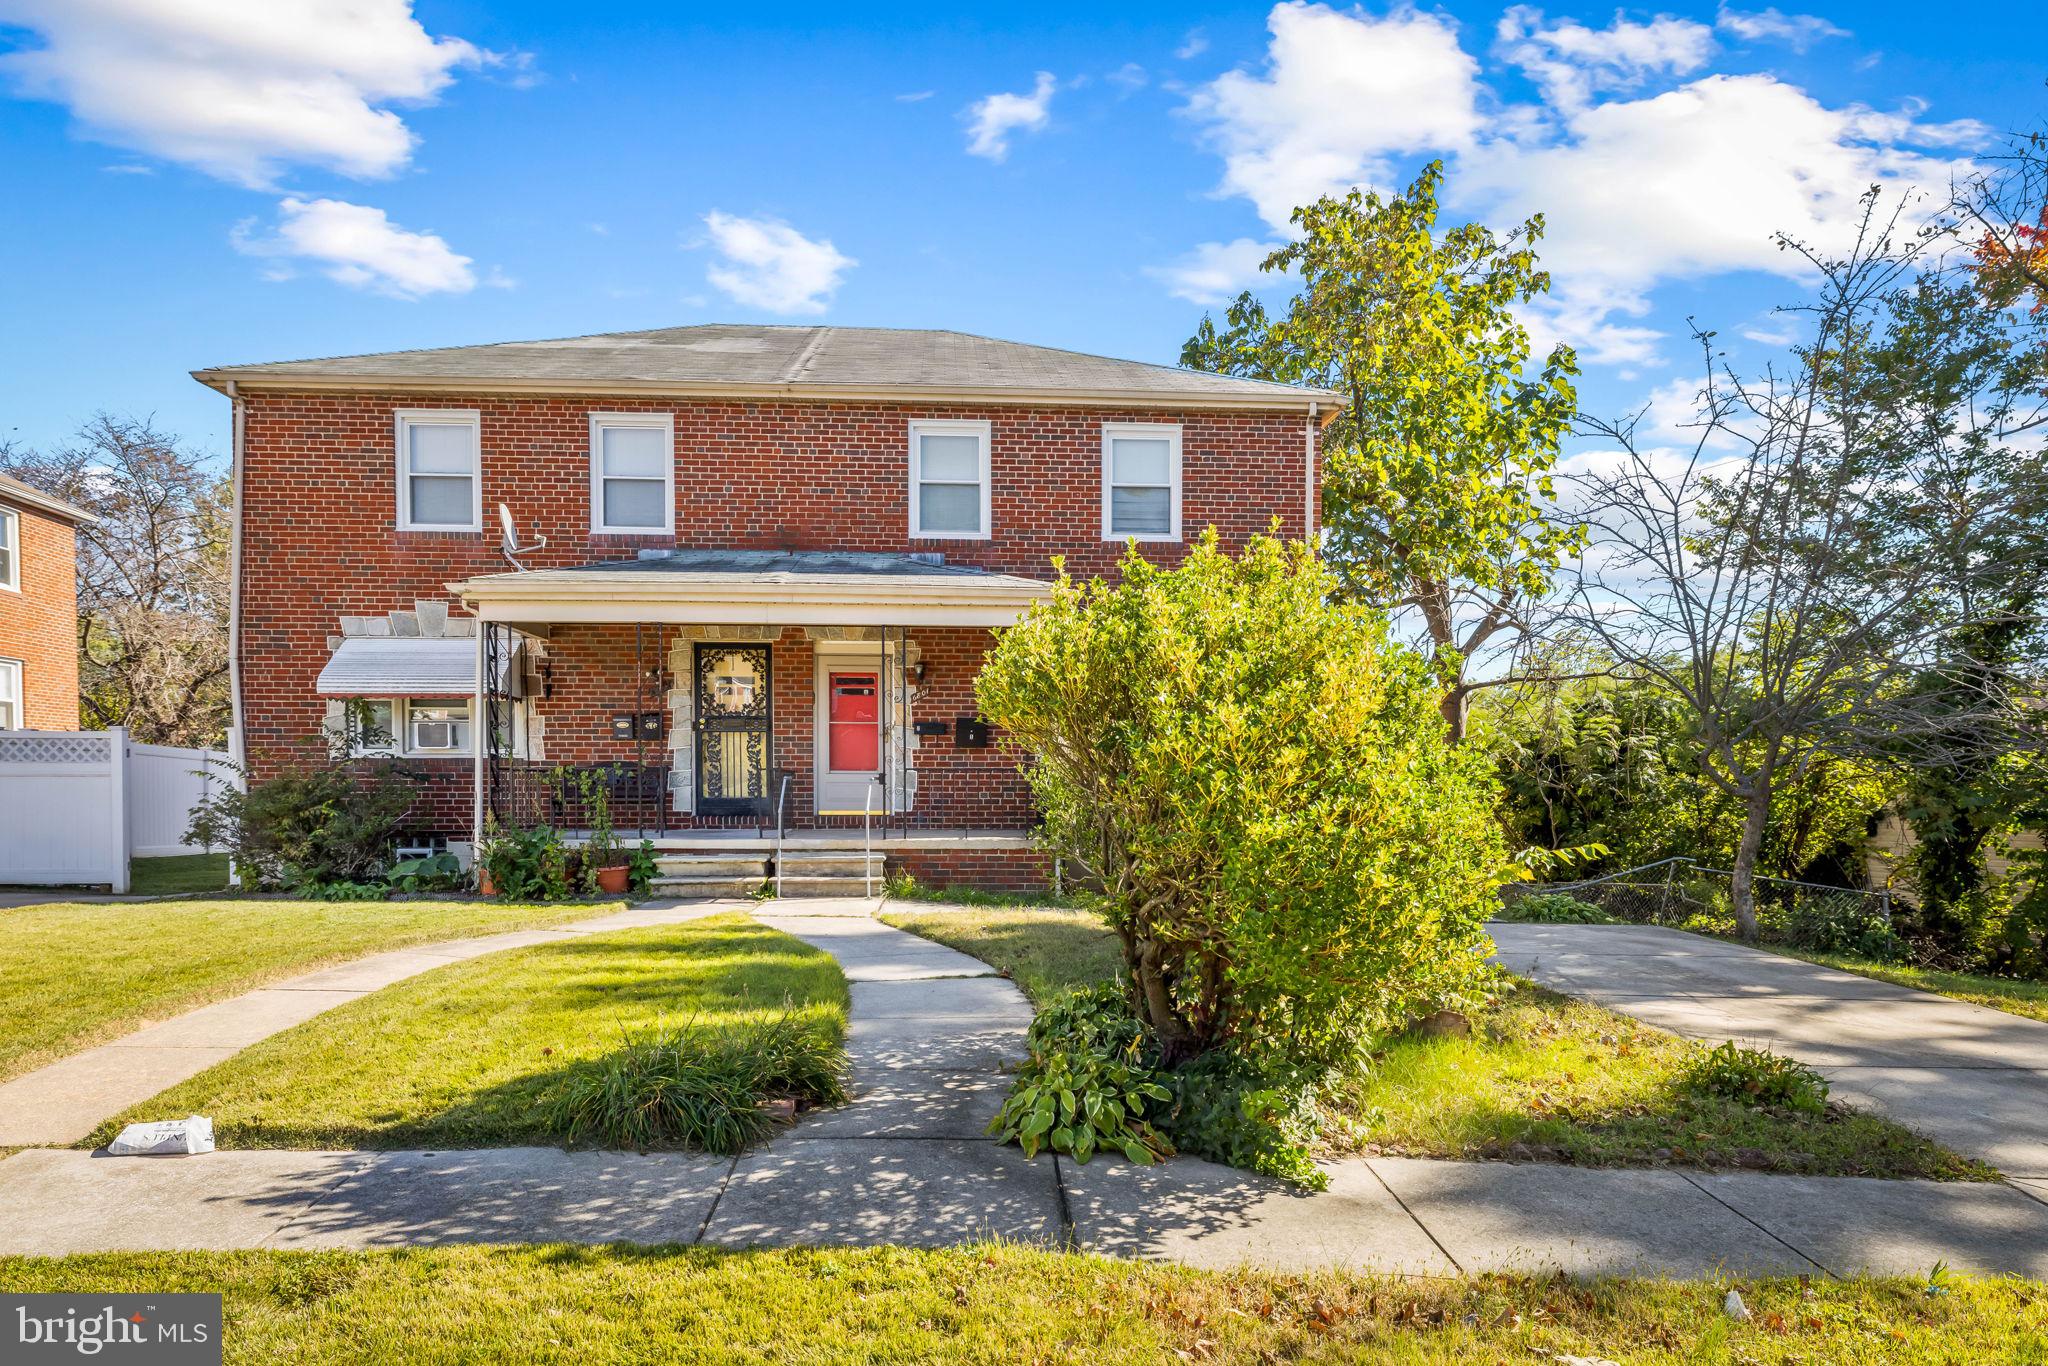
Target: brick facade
point(39, 625)
point(319, 542)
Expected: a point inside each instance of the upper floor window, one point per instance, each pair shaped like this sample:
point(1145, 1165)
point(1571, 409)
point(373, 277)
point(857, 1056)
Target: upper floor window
point(632, 473)
point(10, 694)
point(439, 487)
point(1140, 481)
point(949, 483)
point(10, 550)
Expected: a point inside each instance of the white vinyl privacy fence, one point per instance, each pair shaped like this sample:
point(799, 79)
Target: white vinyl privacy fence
point(75, 806)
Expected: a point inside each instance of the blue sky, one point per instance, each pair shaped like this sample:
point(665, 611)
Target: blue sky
point(210, 182)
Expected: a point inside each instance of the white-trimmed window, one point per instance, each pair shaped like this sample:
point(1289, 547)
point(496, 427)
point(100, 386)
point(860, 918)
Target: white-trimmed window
point(372, 724)
point(10, 549)
point(949, 483)
point(439, 472)
point(435, 728)
point(10, 694)
point(632, 473)
point(1140, 481)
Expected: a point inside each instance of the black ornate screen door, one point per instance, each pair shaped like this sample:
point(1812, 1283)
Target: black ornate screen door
point(733, 736)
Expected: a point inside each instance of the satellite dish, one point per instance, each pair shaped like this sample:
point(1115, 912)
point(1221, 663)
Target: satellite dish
point(509, 547)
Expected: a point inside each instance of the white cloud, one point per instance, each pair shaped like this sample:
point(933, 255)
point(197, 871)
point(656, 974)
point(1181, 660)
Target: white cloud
point(993, 118)
point(1193, 45)
point(771, 266)
point(1341, 94)
point(360, 247)
point(1796, 31)
point(1215, 272)
point(1129, 77)
point(1569, 62)
point(1687, 179)
point(915, 96)
point(240, 89)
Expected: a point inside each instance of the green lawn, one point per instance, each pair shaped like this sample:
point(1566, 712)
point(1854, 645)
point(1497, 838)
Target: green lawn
point(465, 1056)
point(179, 875)
point(1541, 1076)
point(73, 975)
point(1045, 950)
point(1003, 1304)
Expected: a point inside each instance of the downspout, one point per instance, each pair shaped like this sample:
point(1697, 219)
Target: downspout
point(1308, 483)
point(236, 746)
point(237, 750)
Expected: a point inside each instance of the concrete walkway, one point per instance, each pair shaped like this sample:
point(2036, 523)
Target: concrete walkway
point(1964, 1075)
point(67, 1100)
point(906, 1162)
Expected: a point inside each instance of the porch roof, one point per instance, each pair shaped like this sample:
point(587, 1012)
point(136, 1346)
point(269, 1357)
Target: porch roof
point(756, 587)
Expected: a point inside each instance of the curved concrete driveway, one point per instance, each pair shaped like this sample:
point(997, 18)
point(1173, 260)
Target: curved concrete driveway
point(1973, 1078)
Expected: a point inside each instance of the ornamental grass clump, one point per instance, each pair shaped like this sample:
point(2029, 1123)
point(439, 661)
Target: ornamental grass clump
point(1259, 785)
point(701, 1088)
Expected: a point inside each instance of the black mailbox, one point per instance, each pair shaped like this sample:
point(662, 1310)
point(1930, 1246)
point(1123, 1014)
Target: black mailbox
point(622, 725)
point(970, 732)
point(651, 725)
point(932, 730)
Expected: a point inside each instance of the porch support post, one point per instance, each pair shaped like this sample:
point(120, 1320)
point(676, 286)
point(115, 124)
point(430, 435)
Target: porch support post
point(479, 738)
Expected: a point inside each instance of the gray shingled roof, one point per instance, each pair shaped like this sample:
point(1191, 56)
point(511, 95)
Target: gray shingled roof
point(771, 359)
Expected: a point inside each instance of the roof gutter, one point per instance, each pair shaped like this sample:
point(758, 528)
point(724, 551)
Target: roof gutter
point(731, 599)
point(1284, 401)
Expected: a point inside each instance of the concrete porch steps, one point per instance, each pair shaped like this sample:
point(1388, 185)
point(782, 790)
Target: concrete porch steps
point(834, 873)
point(709, 875)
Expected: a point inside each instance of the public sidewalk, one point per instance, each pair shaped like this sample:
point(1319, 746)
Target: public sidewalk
point(907, 1163)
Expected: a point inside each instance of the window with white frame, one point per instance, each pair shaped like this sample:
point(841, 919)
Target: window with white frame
point(439, 481)
point(433, 728)
point(372, 725)
point(10, 549)
point(1140, 481)
point(632, 473)
point(949, 481)
point(10, 694)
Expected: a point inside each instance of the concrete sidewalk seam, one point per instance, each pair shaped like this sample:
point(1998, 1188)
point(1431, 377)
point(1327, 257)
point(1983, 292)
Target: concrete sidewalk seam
point(342, 1181)
point(725, 1183)
point(1770, 1233)
point(1413, 1218)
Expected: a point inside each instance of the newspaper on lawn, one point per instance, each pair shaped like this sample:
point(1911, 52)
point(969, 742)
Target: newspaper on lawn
point(164, 1138)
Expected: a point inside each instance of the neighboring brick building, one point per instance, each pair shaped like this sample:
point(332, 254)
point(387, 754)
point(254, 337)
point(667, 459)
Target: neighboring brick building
point(38, 609)
point(764, 562)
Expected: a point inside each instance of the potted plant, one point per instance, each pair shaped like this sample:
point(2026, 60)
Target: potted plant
point(604, 862)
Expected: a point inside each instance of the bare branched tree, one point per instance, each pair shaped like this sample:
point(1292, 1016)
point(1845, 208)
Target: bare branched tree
point(1802, 577)
point(152, 577)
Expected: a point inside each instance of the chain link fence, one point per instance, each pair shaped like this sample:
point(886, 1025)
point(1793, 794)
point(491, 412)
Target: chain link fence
point(1678, 891)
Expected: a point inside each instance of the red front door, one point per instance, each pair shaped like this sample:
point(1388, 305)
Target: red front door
point(853, 719)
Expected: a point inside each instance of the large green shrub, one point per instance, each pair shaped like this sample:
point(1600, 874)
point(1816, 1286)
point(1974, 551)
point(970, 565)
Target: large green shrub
point(320, 817)
point(1293, 855)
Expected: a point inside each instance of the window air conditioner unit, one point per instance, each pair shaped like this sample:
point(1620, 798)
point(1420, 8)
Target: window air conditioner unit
point(433, 735)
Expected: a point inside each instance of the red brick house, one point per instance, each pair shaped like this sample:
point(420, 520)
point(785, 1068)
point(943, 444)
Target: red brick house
point(758, 570)
point(38, 608)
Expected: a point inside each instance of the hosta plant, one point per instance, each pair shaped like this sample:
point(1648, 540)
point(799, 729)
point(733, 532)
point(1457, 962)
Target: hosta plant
point(1087, 1085)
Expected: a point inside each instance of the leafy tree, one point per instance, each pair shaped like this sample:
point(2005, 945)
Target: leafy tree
point(1806, 579)
point(152, 578)
point(1290, 851)
point(1437, 474)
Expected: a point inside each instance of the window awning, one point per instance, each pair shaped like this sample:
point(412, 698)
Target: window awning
point(401, 666)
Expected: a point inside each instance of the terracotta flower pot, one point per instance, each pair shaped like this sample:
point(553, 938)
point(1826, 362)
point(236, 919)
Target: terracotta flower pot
point(486, 885)
point(614, 879)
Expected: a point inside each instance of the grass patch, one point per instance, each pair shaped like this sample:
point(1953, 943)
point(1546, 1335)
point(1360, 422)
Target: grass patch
point(480, 1054)
point(983, 1304)
point(1045, 950)
point(2012, 995)
point(178, 875)
point(1542, 1076)
point(73, 975)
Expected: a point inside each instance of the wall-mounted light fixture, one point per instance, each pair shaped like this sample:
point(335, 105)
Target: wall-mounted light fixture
point(915, 674)
point(547, 678)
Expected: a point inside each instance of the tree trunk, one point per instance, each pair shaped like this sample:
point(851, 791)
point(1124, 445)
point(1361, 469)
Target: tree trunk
point(1454, 707)
point(1742, 885)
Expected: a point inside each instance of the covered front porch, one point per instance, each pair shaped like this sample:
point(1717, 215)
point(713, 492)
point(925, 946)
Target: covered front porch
point(733, 705)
